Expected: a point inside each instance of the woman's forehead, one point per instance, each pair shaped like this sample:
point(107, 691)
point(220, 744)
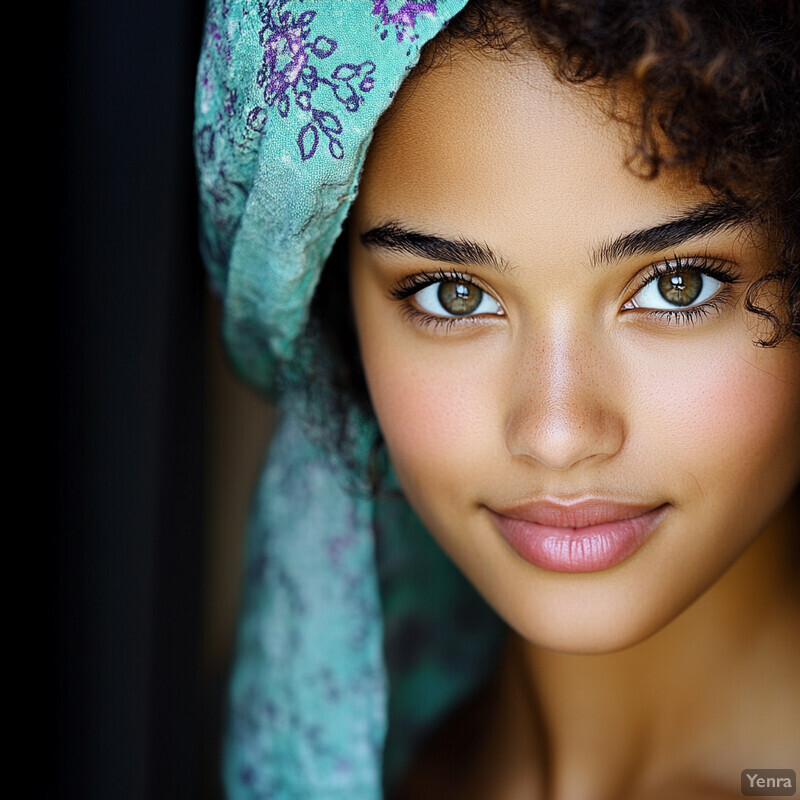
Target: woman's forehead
point(496, 148)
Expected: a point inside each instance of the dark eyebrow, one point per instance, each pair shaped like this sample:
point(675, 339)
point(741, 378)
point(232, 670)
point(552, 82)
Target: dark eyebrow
point(393, 236)
point(700, 221)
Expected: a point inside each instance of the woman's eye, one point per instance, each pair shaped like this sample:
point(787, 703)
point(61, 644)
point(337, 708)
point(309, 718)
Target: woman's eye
point(676, 290)
point(456, 299)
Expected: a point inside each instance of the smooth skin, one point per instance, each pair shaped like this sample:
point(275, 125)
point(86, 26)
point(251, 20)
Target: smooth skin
point(669, 673)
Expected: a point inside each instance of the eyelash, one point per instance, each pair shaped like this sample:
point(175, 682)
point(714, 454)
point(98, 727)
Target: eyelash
point(409, 285)
point(714, 268)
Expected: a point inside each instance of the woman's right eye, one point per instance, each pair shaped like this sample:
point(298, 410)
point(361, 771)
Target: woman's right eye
point(456, 299)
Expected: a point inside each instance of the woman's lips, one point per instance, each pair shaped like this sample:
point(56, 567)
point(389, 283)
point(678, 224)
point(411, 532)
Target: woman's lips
point(587, 536)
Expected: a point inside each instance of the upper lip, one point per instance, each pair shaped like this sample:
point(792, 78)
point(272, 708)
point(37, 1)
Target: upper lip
point(575, 514)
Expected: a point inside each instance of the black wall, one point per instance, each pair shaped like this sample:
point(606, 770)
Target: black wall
point(125, 610)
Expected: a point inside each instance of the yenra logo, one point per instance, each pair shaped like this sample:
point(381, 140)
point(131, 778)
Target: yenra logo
point(769, 782)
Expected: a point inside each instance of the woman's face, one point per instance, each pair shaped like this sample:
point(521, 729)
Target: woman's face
point(554, 345)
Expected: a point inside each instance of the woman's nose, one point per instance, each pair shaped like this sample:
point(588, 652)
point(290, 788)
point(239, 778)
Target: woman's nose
point(566, 404)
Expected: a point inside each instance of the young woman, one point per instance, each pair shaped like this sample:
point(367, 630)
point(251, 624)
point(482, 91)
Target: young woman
point(573, 272)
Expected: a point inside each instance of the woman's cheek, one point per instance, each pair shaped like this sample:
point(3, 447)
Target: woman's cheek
point(725, 415)
point(753, 412)
point(437, 405)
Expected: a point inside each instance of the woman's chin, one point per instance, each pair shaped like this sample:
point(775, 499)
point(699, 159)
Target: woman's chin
point(590, 614)
point(580, 638)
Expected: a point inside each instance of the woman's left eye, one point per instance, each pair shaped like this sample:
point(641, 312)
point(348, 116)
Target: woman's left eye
point(455, 298)
point(672, 291)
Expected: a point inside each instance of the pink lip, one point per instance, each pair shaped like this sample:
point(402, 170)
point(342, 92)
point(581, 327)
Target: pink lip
point(586, 536)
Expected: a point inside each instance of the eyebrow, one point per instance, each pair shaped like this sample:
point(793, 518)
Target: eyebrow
point(395, 237)
point(702, 220)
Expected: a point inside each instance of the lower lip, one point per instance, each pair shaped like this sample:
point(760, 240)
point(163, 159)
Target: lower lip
point(589, 549)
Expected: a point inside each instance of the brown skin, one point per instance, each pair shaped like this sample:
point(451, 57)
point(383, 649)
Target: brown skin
point(669, 673)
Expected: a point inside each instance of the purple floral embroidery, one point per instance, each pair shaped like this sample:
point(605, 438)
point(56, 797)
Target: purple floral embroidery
point(404, 18)
point(290, 74)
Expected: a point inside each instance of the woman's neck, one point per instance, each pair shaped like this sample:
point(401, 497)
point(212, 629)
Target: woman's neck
point(712, 693)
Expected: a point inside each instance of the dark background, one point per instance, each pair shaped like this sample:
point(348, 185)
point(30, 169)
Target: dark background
point(134, 715)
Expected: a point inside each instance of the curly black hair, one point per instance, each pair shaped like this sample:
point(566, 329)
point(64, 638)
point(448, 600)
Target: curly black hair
point(718, 90)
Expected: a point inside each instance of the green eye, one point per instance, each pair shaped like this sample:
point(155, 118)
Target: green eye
point(681, 289)
point(456, 299)
point(459, 298)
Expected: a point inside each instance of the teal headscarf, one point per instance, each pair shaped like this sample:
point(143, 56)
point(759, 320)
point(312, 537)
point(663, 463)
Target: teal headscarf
point(356, 633)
